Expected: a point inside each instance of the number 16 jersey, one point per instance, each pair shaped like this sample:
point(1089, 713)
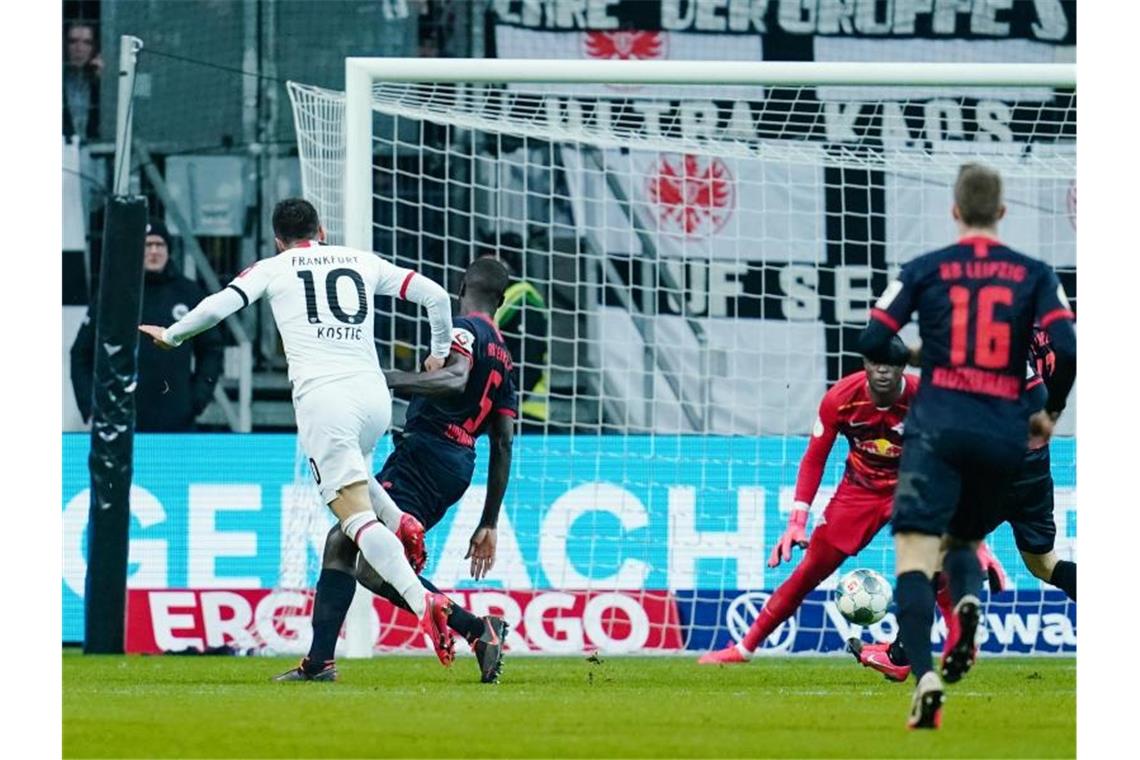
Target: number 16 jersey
point(977, 302)
point(489, 390)
point(321, 297)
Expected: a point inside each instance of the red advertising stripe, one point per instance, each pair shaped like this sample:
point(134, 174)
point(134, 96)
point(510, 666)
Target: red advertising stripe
point(541, 621)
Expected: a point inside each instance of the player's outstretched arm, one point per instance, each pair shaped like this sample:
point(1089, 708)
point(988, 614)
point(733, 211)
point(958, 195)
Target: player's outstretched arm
point(209, 312)
point(449, 380)
point(481, 550)
point(808, 478)
point(412, 286)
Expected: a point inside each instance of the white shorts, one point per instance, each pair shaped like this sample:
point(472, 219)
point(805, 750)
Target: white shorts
point(339, 424)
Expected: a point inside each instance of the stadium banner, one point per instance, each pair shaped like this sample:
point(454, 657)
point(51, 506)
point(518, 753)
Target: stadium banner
point(1021, 622)
point(691, 516)
point(260, 620)
point(744, 238)
point(1048, 22)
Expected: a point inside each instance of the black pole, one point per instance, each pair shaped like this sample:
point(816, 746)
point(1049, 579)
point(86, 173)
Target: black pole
point(118, 308)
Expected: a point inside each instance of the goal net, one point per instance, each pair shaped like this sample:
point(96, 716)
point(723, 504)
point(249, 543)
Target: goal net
point(701, 244)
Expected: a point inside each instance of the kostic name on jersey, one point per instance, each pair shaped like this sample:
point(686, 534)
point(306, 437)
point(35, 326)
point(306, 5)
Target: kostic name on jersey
point(339, 333)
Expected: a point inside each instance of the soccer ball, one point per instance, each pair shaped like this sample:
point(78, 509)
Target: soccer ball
point(863, 596)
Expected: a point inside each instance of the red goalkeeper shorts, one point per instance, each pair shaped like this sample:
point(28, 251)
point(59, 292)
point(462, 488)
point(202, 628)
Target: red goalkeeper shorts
point(853, 517)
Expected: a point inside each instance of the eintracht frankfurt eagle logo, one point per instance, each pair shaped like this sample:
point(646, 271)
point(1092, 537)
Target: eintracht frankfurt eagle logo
point(694, 195)
point(624, 46)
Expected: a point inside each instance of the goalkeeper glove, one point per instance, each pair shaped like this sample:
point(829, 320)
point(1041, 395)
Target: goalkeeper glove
point(794, 535)
point(993, 569)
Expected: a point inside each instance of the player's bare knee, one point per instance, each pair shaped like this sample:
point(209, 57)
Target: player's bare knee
point(917, 552)
point(1041, 565)
point(340, 552)
point(350, 500)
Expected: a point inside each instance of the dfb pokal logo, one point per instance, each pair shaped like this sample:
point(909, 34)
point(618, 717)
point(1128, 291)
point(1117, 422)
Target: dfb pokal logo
point(694, 196)
point(743, 611)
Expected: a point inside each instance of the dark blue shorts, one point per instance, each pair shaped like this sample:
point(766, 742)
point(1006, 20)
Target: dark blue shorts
point(425, 475)
point(1028, 507)
point(953, 482)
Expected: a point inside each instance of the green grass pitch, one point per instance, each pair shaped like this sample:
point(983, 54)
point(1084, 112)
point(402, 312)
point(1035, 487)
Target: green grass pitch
point(569, 707)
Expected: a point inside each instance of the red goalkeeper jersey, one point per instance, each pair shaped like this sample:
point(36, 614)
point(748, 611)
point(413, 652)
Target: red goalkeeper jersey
point(873, 433)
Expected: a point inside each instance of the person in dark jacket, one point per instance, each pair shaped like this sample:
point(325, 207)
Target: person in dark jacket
point(174, 387)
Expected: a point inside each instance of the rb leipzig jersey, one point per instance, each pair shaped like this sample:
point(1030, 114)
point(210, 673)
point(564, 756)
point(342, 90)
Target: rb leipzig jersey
point(874, 435)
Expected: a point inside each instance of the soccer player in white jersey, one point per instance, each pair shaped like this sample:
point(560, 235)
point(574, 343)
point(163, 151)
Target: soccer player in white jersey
point(321, 297)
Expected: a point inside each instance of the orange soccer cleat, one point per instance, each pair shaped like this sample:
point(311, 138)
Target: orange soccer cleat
point(434, 625)
point(876, 657)
point(730, 655)
point(411, 535)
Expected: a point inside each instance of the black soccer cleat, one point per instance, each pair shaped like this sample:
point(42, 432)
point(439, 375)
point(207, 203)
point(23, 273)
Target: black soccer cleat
point(926, 709)
point(488, 648)
point(299, 673)
point(959, 655)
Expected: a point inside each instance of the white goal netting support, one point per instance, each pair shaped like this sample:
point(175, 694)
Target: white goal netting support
point(702, 242)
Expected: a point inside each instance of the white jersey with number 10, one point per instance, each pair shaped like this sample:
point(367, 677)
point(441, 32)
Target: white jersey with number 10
point(321, 297)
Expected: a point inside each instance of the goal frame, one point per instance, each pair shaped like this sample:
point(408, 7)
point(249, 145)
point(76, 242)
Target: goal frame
point(361, 73)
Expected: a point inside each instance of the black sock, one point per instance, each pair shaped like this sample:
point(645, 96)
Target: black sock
point(465, 624)
point(1065, 578)
point(896, 654)
point(915, 599)
point(461, 621)
point(963, 572)
point(334, 595)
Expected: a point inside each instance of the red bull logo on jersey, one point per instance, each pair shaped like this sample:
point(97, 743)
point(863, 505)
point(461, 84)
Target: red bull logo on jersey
point(880, 447)
point(694, 196)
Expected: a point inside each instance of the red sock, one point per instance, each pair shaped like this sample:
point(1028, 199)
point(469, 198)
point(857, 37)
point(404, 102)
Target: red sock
point(819, 562)
point(946, 607)
point(942, 597)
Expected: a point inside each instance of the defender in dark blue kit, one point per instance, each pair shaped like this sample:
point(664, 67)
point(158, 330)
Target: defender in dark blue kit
point(966, 432)
point(430, 469)
point(432, 465)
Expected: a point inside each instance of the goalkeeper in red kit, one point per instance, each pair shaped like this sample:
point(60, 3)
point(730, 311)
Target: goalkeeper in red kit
point(868, 408)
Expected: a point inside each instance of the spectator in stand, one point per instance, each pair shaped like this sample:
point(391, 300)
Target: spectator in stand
point(83, 65)
point(174, 387)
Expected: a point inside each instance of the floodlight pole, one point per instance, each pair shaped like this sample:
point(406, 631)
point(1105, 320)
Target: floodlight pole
point(129, 48)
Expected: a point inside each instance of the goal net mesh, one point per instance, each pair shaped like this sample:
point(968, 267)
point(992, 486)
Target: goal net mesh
point(699, 262)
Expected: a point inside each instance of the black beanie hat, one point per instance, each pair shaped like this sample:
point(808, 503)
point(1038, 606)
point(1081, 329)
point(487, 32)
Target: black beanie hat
point(156, 227)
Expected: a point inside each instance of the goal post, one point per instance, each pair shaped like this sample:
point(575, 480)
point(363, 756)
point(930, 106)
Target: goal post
point(361, 73)
point(702, 242)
